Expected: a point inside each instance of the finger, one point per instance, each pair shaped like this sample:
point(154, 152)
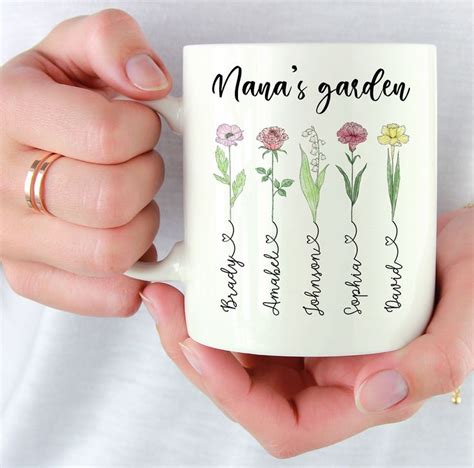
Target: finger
point(78, 249)
point(52, 109)
point(336, 370)
point(435, 363)
point(455, 241)
point(252, 361)
point(94, 195)
point(115, 296)
point(166, 305)
point(313, 418)
point(72, 121)
point(114, 41)
point(445, 218)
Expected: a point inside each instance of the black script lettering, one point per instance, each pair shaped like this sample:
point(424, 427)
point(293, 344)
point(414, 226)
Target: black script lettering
point(273, 272)
point(316, 274)
point(248, 87)
point(356, 283)
point(231, 269)
point(395, 269)
point(370, 88)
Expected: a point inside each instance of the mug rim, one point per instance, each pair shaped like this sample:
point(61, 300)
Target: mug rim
point(306, 44)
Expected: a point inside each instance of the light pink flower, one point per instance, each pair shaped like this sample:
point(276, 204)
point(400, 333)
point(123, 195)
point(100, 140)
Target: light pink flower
point(229, 135)
point(352, 133)
point(272, 137)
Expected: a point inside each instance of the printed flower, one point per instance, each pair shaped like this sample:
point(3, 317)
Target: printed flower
point(272, 138)
point(353, 134)
point(229, 135)
point(393, 135)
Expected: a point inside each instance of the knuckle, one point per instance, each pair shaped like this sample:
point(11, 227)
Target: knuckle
point(21, 282)
point(108, 18)
point(110, 207)
point(174, 353)
point(281, 449)
point(110, 255)
point(455, 361)
point(123, 304)
point(104, 136)
point(400, 414)
point(225, 401)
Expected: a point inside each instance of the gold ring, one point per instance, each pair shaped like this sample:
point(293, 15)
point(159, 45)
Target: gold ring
point(30, 180)
point(38, 189)
point(456, 396)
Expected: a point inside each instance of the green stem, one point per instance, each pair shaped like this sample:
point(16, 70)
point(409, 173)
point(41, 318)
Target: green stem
point(273, 195)
point(392, 162)
point(230, 187)
point(352, 186)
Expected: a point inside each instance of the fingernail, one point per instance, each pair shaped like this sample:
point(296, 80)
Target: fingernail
point(381, 391)
point(190, 355)
point(145, 74)
point(149, 306)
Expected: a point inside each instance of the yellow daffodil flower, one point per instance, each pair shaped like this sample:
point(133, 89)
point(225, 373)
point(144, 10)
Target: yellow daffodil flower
point(393, 135)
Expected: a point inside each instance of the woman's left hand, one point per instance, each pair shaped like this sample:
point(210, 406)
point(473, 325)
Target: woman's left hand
point(292, 405)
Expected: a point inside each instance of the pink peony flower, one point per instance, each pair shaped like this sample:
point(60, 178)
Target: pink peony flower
point(229, 135)
point(272, 137)
point(352, 133)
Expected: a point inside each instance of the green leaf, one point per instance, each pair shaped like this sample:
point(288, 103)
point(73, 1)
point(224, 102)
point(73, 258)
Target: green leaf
point(347, 183)
point(308, 187)
point(282, 150)
point(282, 192)
point(320, 179)
point(357, 183)
point(269, 172)
point(276, 183)
point(264, 178)
point(268, 151)
point(222, 161)
point(287, 183)
point(237, 186)
point(224, 180)
point(349, 158)
point(396, 184)
point(262, 147)
point(390, 180)
point(261, 170)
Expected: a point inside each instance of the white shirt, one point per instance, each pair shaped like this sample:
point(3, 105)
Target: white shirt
point(101, 391)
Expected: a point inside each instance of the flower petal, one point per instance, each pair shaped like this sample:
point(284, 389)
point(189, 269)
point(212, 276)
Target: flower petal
point(383, 139)
point(403, 139)
point(222, 129)
point(392, 132)
point(400, 130)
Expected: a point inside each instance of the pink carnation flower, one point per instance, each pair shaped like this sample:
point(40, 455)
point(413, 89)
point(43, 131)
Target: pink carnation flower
point(272, 137)
point(229, 135)
point(352, 133)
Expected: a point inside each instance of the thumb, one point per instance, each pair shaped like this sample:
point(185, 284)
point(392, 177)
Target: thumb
point(110, 49)
point(434, 363)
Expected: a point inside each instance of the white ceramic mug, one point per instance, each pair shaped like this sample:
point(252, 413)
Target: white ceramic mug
point(309, 196)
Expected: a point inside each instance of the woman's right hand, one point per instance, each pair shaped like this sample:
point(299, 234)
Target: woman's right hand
point(56, 97)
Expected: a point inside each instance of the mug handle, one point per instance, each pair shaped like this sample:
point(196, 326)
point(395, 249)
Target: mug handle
point(171, 268)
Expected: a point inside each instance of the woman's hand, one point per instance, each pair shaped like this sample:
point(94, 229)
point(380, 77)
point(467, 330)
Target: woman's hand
point(292, 405)
point(55, 98)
